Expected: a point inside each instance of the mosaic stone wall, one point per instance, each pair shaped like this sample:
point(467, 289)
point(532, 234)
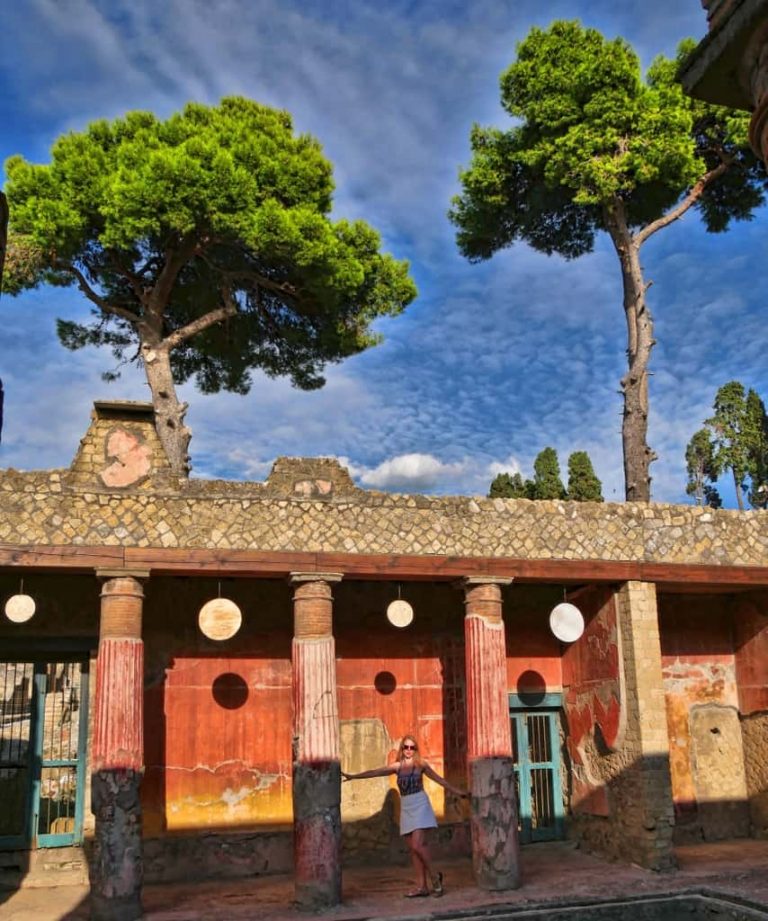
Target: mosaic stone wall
point(312, 505)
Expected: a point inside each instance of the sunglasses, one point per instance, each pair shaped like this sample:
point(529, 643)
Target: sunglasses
point(409, 748)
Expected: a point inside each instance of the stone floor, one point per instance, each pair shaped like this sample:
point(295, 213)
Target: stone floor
point(552, 873)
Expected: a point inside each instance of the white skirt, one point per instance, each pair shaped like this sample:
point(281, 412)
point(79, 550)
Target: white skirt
point(416, 812)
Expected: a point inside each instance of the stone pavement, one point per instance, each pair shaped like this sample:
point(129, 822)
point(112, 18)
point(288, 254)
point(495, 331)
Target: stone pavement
point(552, 873)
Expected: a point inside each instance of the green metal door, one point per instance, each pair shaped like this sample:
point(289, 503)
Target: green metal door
point(536, 752)
point(43, 731)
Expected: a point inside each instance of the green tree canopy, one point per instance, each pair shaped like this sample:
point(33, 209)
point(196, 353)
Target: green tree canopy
point(596, 148)
point(206, 241)
point(510, 486)
point(739, 438)
point(702, 469)
point(546, 476)
point(757, 423)
point(583, 484)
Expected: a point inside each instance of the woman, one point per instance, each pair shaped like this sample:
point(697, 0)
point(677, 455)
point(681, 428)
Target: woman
point(416, 812)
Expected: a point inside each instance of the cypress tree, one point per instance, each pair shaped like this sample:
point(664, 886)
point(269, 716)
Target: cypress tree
point(583, 484)
point(546, 479)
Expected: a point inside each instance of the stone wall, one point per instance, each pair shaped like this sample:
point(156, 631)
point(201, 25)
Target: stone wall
point(44, 509)
point(706, 748)
point(638, 820)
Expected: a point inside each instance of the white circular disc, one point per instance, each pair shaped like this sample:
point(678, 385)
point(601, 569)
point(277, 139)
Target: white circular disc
point(566, 622)
point(399, 613)
point(219, 619)
point(19, 608)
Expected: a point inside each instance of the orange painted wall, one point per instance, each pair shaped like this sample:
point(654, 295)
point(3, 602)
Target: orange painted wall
point(699, 668)
point(218, 716)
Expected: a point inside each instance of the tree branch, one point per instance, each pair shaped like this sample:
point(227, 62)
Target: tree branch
point(175, 260)
point(103, 305)
point(197, 326)
point(686, 204)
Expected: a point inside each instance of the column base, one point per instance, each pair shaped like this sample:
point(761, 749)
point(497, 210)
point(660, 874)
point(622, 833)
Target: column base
point(117, 870)
point(495, 845)
point(317, 835)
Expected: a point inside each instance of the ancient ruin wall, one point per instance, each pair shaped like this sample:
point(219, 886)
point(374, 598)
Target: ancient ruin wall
point(46, 509)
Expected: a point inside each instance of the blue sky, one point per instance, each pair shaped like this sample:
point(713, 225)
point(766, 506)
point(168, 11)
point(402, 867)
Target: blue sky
point(493, 362)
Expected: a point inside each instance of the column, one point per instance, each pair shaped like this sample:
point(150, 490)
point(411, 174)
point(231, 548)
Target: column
point(495, 847)
point(316, 767)
point(117, 751)
point(642, 791)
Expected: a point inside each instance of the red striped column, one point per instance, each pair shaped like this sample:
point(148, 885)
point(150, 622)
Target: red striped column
point(117, 751)
point(316, 767)
point(495, 847)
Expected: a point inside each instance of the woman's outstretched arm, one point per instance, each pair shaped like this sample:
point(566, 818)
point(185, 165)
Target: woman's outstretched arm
point(373, 772)
point(433, 775)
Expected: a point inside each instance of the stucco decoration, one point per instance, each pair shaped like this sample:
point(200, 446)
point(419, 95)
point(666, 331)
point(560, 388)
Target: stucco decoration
point(129, 459)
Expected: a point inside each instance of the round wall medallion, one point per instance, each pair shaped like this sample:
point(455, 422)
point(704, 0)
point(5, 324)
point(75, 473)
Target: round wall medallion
point(19, 608)
point(566, 622)
point(399, 613)
point(219, 619)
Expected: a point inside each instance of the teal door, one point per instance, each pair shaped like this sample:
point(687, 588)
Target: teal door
point(43, 730)
point(536, 752)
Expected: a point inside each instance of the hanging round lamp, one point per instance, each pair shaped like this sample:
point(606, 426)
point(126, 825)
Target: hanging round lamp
point(219, 619)
point(566, 622)
point(399, 612)
point(20, 608)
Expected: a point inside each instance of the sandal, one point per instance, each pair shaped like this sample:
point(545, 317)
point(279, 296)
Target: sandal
point(437, 885)
point(417, 894)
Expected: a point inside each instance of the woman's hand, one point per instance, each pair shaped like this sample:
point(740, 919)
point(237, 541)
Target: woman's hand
point(346, 776)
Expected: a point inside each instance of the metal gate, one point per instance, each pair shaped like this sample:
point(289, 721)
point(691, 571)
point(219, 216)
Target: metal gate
point(43, 730)
point(536, 752)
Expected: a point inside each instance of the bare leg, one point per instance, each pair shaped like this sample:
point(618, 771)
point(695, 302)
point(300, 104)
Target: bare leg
point(421, 850)
point(416, 859)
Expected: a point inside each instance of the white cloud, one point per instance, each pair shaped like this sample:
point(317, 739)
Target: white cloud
point(494, 361)
point(409, 473)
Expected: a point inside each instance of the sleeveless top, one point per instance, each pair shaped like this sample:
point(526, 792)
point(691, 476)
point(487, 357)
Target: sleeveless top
point(411, 782)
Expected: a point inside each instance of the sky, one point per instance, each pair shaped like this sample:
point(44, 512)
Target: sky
point(493, 361)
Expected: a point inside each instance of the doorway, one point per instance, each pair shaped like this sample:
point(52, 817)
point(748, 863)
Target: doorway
point(536, 753)
point(43, 734)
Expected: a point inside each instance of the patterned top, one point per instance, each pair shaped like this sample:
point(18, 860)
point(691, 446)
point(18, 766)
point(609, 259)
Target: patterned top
point(409, 783)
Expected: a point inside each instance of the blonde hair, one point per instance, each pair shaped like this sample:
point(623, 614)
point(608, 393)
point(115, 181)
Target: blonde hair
point(409, 737)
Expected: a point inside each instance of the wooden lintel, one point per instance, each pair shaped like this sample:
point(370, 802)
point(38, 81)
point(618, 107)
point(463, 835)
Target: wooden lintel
point(61, 557)
point(275, 564)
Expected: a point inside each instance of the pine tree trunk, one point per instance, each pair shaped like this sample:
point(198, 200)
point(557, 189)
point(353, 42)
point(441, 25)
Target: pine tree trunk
point(169, 411)
point(739, 496)
point(638, 456)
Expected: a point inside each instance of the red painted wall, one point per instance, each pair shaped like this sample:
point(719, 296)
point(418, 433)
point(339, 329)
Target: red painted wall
point(592, 695)
point(218, 716)
point(751, 651)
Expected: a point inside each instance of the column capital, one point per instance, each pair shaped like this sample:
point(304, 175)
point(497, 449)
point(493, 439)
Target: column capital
point(141, 575)
point(471, 581)
point(298, 578)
